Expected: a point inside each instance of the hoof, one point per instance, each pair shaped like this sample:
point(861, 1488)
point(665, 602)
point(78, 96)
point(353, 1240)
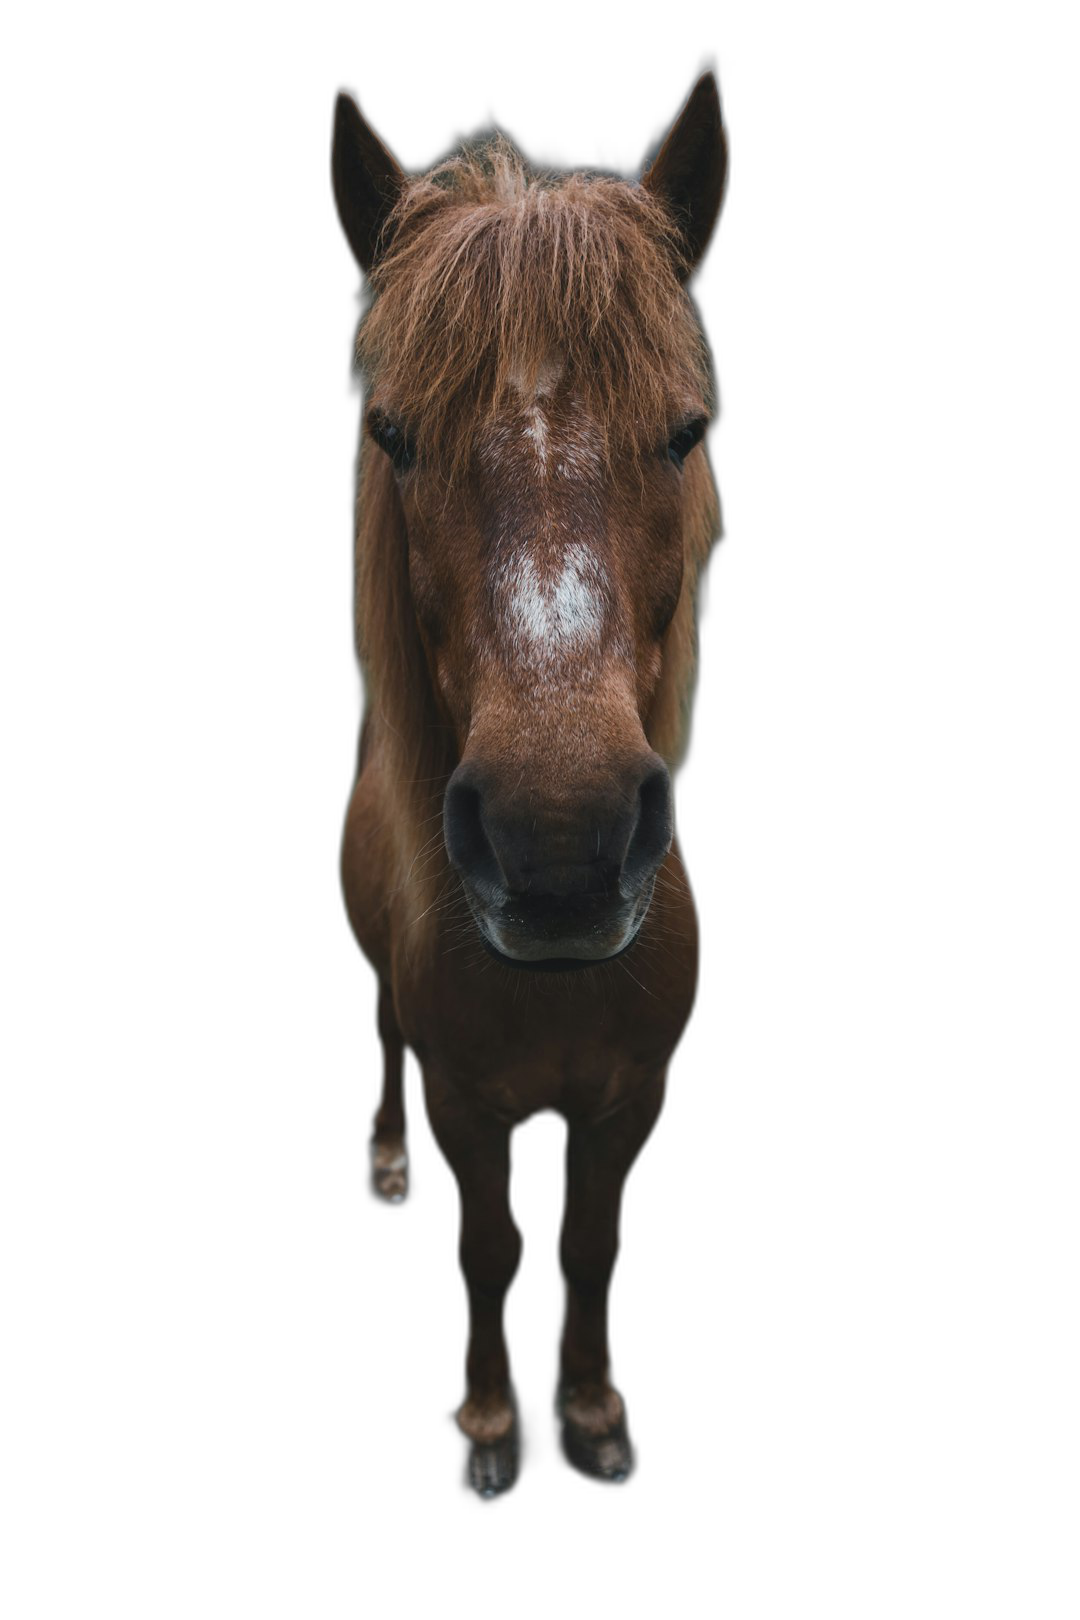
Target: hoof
point(493, 1464)
point(606, 1454)
point(390, 1185)
point(389, 1169)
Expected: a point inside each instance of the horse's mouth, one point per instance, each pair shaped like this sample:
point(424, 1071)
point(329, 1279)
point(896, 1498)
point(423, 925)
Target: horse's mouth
point(561, 944)
point(553, 964)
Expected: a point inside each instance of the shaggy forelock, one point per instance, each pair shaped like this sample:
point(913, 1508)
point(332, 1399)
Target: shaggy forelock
point(490, 271)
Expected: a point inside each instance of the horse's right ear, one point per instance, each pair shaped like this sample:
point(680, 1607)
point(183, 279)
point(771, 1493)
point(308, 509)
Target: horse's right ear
point(690, 170)
point(367, 181)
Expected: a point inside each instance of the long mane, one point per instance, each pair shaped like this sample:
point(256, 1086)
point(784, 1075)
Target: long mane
point(487, 270)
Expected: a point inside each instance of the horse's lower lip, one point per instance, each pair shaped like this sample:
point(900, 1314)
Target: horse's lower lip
point(553, 964)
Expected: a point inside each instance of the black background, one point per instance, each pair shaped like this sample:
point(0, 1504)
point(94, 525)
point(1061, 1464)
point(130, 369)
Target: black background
point(745, 1317)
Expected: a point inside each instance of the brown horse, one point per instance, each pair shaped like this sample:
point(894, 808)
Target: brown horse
point(534, 510)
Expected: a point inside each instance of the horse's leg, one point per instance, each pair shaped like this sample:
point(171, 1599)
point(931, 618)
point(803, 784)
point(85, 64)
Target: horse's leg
point(598, 1156)
point(389, 1162)
point(477, 1148)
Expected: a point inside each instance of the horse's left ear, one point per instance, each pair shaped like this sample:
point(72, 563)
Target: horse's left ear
point(690, 170)
point(367, 181)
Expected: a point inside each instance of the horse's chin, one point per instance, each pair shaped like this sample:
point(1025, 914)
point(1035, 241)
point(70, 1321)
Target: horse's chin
point(554, 964)
point(550, 952)
point(567, 954)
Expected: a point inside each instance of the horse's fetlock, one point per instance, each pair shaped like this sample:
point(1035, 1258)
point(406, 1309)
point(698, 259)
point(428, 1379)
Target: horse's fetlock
point(486, 1418)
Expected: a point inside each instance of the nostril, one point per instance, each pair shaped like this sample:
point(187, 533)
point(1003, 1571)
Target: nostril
point(653, 830)
point(467, 843)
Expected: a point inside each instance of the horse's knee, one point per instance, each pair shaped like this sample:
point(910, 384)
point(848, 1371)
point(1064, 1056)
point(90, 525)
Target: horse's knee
point(587, 1256)
point(490, 1256)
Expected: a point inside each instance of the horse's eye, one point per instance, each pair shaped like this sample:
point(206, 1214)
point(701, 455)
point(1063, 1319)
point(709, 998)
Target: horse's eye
point(681, 443)
point(392, 437)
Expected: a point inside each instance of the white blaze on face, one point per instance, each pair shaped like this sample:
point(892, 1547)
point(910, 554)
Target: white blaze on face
point(549, 595)
point(552, 612)
point(536, 432)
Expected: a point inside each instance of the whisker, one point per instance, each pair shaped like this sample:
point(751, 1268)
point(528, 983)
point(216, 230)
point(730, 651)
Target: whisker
point(619, 961)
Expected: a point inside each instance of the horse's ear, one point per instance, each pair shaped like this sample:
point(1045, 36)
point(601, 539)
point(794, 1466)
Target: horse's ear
point(690, 170)
point(367, 180)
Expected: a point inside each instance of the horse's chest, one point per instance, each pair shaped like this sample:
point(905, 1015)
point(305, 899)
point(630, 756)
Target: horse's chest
point(513, 1091)
point(518, 1042)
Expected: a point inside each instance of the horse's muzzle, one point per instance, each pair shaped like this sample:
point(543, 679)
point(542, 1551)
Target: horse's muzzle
point(567, 883)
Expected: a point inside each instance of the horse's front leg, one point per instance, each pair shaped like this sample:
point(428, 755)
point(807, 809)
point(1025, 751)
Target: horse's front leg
point(478, 1150)
point(598, 1156)
point(389, 1159)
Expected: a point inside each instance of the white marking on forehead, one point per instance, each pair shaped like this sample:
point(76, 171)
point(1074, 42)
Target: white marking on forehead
point(536, 429)
point(532, 438)
point(550, 616)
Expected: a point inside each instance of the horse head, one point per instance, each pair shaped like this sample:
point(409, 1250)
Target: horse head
point(538, 389)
